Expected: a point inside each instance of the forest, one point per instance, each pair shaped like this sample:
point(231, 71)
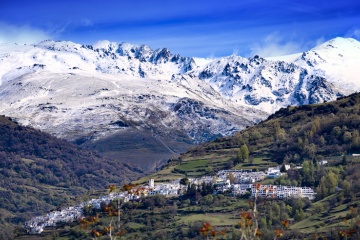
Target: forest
point(39, 172)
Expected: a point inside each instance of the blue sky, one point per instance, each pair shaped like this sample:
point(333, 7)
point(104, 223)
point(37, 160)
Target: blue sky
point(191, 28)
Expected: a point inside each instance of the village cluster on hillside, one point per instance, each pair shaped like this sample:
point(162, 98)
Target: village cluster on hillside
point(242, 183)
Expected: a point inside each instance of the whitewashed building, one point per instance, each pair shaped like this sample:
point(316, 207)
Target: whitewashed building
point(273, 191)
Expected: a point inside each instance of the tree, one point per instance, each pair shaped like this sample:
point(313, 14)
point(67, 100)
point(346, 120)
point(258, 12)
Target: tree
point(296, 204)
point(159, 200)
point(282, 168)
point(279, 133)
point(310, 150)
point(315, 127)
point(231, 177)
point(276, 210)
point(262, 223)
point(344, 160)
point(192, 190)
point(322, 141)
point(336, 131)
point(244, 152)
point(332, 181)
point(209, 199)
point(229, 164)
point(346, 188)
point(184, 181)
point(286, 159)
point(299, 215)
point(327, 185)
point(251, 160)
point(347, 138)
point(255, 135)
point(296, 158)
point(355, 139)
point(308, 173)
point(300, 143)
point(210, 170)
point(89, 210)
point(238, 158)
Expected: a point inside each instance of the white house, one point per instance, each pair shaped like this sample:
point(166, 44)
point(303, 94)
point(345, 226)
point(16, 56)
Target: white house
point(323, 162)
point(273, 191)
point(273, 172)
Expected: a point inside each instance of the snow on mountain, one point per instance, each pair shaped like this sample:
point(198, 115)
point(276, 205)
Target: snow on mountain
point(321, 74)
point(89, 91)
point(285, 58)
point(337, 60)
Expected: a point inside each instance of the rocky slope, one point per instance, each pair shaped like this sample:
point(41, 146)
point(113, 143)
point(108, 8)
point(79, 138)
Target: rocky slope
point(91, 92)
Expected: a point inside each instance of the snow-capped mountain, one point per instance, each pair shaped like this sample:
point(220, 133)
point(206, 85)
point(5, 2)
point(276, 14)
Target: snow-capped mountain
point(87, 91)
point(321, 74)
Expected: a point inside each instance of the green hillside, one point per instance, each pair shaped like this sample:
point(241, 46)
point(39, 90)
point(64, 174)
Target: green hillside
point(294, 134)
point(39, 172)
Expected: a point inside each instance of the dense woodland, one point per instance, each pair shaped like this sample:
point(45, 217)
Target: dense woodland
point(39, 172)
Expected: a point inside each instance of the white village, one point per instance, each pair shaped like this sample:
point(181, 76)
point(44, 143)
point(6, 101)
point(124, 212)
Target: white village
point(244, 183)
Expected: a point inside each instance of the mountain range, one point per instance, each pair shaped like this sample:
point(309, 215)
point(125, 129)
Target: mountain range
point(158, 103)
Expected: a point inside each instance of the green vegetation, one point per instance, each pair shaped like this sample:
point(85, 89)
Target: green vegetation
point(39, 173)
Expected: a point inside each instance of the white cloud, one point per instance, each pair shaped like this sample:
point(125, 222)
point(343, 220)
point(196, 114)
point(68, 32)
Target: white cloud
point(235, 51)
point(273, 45)
point(21, 34)
point(320, 41)
point(354, 33)
point(86, 22)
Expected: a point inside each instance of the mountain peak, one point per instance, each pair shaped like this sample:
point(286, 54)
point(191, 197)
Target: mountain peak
point(57, 45)
point(338, 43)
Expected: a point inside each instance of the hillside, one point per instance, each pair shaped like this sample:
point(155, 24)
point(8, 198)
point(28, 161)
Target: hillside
point(39, 172)
point(292, 134)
